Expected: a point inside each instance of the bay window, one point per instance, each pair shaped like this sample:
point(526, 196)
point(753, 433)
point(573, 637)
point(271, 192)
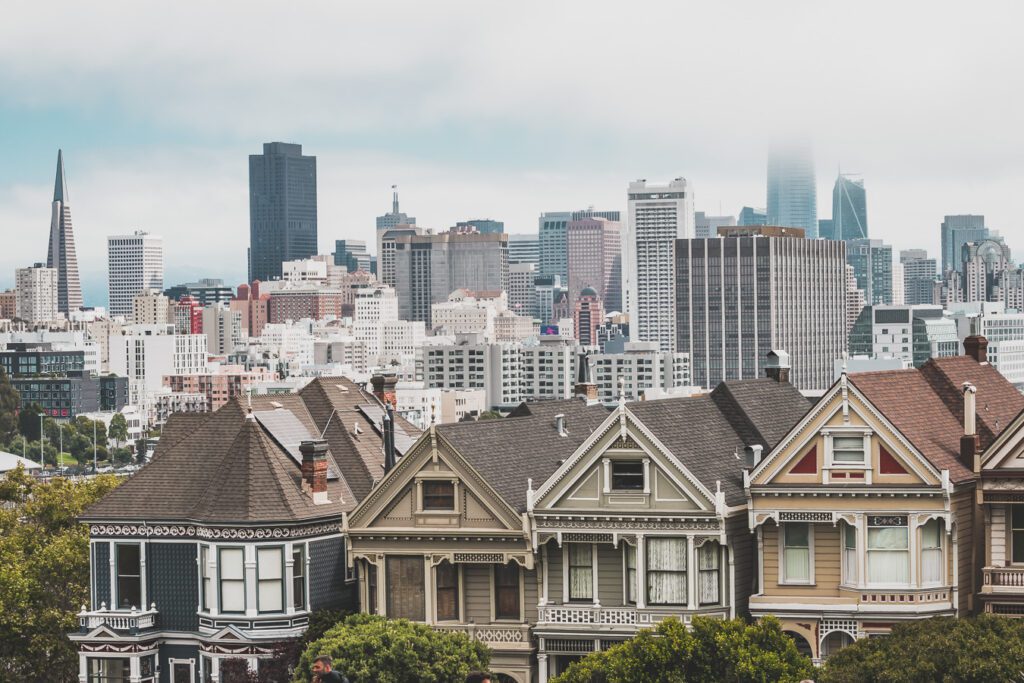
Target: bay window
point(931, 552)
point(581, 571)
point(129, 576)
point(371, 588)
point(1017, 533)
point(707, 561)
point(298, 577)
point(888, 550)
point(666, 571)
point(506, 591)
point(849, 554)
point(231, 565)
point(446, 578)
point(796, 552)
point(109, 670)
point(270, 579)
point(630, 573)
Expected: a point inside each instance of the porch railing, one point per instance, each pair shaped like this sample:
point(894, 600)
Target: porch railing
point(118, 620)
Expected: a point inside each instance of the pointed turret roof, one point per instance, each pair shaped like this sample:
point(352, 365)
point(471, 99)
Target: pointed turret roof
point(60, 185)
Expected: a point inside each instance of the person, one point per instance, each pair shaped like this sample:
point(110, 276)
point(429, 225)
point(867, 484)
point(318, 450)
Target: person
point(323, 671)
point(478, 677)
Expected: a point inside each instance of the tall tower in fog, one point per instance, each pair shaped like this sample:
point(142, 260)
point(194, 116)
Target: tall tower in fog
point(792, 197)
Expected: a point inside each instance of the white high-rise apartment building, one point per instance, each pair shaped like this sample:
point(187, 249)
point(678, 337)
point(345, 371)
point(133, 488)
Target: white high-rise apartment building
point(145, 353)
point(36, 298)
point(223, 329)
point(658, 215)
point(645, 372)
point(135, 262)
point(522, 289)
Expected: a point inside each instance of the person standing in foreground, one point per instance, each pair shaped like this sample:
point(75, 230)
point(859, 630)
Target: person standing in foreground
point(323, 671)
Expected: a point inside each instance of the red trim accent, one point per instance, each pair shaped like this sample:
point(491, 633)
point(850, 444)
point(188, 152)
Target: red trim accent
point(808, 464)
point(856, 475)
point(887, 464)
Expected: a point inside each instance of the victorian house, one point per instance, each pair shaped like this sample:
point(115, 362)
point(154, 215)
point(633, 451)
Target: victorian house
point(232, 535)
point(864, 513)
point(566, 527)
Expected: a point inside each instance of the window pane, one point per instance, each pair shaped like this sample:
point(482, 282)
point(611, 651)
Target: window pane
point(931, 534)
point(854, 443)
point(888, 567)
point(232, 565)
point(797, 534)
point(666, 554)
point(405, 588)
point(630, 573)
point(447, 578)
point(666, 571)
point(438, 495)
point(850, 537)
point(298, 577)
point(269, 560)
point(129, 582)
point(798, 564)
point(506, 589)
point(232, 596)
point(270, 599)
point(1018, 546)
point(1017, 516)
point(628, 476)
point(887, 538)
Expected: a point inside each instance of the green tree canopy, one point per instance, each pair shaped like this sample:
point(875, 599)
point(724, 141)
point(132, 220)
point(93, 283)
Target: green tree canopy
point(28, 421)
point(118, 429)
point(44, 573)
point(9, 402)
point(372, 649)
point(988, 648)
point(714, 650)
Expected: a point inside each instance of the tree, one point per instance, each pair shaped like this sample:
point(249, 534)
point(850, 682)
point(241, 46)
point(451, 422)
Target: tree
point(9, 402)
point(368, 648)
point(118, 430)
point(44, 573)
point(714, 650)
point(489, 415)
point(28, 421)
point(988, 648)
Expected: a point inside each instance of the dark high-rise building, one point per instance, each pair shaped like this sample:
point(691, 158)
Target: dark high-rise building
point(206, 291)
point(352, 255)
point(740, 297)
point(282, 208)
point(826, 229)
point(956, 232)
point(61, 251)
point(387, 222)
point(849, 210)
point(872, 264)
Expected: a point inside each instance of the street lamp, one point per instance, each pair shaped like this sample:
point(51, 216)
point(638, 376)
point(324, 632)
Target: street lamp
point(42, 441)
point(94, 446)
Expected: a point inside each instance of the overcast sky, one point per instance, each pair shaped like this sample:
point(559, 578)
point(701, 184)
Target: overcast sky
point(500, 110)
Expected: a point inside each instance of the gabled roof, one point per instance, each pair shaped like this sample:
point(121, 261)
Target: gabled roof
point(702, 432)
point(926, 406)
point(222, 467)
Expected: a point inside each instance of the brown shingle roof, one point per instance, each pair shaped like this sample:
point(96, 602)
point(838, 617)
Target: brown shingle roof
point(224, 468)
point(926, 406)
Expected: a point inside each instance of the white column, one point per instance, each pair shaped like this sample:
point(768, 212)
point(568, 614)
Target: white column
point(428, 590)
point(83, 668)
point(915, 550)
point(213, 600)
point(607, 475)
point(134, 670)
point(542, 668)
point(544, 574)
point(289, 585)
point(382, 588)
point(862, 550)
point(564, 550)
point(641, 571)
point(691, 573)
point(647, 475)
point(143, 593)
point(250, 581)
point(729, 588)
point(215, 669)
point(593, 561)
point(112, 600)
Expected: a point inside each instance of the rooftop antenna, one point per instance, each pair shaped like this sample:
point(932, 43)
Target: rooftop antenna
point(394, 199)
point(324, 431)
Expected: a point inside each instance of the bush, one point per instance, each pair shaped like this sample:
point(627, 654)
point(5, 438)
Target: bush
point(714, 650)
point(368, 648)
point(988, 648)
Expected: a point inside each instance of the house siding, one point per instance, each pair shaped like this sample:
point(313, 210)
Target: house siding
point(741, 550)
point(609, 575)
point(825, 561)
point(999, 553)
point(968, 527)
point(101, 574)
point(554, 573)
point(174, 584)
point(327, 587)
point(169, 652)
point(476, 582)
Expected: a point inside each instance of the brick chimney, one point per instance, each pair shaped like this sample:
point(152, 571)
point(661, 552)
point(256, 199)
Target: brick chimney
point(976, 347)
point(969, 442)
point(383, 387)
point(314, 469)
point(776, 366)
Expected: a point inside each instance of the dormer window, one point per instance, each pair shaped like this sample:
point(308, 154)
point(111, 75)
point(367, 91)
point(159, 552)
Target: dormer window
point(627, 475)
point(439, 495)
point(848, 449)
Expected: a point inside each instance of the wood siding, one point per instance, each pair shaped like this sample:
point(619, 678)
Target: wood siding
point(825, 561)
point(999, 553)
point(743, 556)
point(968, 527)
point(609, 575)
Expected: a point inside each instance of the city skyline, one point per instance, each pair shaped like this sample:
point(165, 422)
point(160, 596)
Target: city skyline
point(142, 138)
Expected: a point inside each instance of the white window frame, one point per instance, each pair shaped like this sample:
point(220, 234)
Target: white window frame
point(717, 570)
point(831, 434)
point(909, 553)
point(850, 556)
point(566, 574)
point(941, 551)
point(280, 581)
point(220, 580)
point(782, 579)
point(629, 590)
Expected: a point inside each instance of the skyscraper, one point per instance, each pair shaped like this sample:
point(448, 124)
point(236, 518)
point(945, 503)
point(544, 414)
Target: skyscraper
point(352, 255)
point(60, 254)
point(918, 276)
point(389, 220)
point(524, 248)
point(36, 293)
point(658, 216)
point(956, 232)
point(594, 247)
point(872, 264)
point(282, 208)
point(483, 225)
point(792, 197)
point(134, 263)
point(740, 297)
point(553, 247)
point(751, 216)
point(849, 209)
point(707, 226)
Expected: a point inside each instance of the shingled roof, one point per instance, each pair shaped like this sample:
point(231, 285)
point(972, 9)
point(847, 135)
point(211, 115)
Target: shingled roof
point(225, 467)
point(702, 432)
point(926, 406)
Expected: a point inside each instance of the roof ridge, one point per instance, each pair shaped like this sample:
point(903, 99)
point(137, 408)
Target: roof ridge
point(269, 449)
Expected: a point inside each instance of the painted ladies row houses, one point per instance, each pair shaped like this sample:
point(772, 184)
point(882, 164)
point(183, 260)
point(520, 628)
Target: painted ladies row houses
point(225, 543)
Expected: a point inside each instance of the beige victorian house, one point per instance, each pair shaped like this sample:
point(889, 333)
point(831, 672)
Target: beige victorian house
point(864, 514)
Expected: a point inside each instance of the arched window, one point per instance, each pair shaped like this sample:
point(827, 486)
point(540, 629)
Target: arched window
point(802, 646)
point(834, 642)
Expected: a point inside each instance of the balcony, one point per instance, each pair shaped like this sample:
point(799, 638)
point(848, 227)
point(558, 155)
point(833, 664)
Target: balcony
point(614, 618)
point(131, 621)
point(494, 636)
point(1002, 580)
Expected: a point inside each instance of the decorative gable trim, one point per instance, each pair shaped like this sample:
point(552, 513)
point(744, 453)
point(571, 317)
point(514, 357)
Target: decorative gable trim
point(1005, 445)
point(623, 420)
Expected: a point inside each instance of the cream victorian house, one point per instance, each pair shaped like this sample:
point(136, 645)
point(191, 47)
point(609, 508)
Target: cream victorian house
point(864, 514)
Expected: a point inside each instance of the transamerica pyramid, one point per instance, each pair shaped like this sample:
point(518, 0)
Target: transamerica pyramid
point(61, 252)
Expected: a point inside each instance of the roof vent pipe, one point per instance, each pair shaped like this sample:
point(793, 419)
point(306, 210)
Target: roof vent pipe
point(560, 425)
